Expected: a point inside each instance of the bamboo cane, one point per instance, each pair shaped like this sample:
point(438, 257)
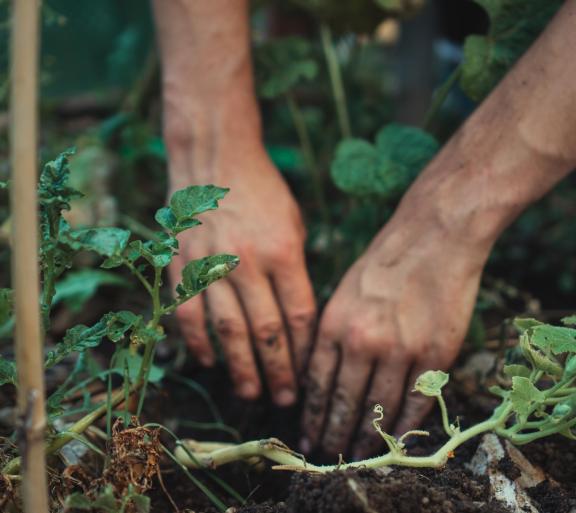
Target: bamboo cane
point(25, 272)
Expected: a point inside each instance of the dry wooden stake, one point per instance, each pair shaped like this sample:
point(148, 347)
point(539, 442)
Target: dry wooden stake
point(25, 272)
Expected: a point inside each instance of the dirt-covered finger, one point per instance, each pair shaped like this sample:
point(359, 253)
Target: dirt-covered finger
point(296, 297)
point(230, 326)
point(386, 390)
point(346, 401)
point(269, 335)
point(321, 372)
point(191, 319)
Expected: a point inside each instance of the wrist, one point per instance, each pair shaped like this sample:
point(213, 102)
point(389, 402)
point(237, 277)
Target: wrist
point(204, 139)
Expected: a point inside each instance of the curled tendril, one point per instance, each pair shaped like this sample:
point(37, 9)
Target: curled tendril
point(391, 442)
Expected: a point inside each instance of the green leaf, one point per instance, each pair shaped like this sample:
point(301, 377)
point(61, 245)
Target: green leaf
point(140, 502)
point(7, 372)
point(118, 324)
point(570, 366)
point(514, 25)
point(188, 203)
point(526, 324)
point(197, 275)
point(165, 218)
point(431, 383)
point(6, 305)
point(80, 286)
point(524, 396)
point(538, 360)
point(516, 370)
point(569, 321)
point(104, 502)
point(107, 242)
point(113, 325)
point(557, 339)
point(387, 168)
point(125, 359)
point(281, 64)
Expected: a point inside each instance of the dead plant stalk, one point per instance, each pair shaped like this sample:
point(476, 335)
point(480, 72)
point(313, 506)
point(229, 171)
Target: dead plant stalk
point(25, 272)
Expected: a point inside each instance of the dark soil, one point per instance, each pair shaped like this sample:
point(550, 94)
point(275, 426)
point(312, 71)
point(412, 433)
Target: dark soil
point(452, 489)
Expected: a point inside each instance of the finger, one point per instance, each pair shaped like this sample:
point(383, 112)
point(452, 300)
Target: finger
point(267, 329)
point(346, 402)
point(296, 297)
point(416, 406)
point(386, 390)
point(230, 325)
point(321, 373)
point(191, 319)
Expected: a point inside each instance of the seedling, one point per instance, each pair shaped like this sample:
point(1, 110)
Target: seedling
point(538, 400)
point(135, 337)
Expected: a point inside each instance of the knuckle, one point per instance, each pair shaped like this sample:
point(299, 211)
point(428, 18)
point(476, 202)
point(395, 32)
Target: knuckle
point(301, 319)
point(284, 252)
point(230, 328)
point(268, 332)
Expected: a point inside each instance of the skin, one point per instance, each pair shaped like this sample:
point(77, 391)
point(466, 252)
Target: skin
point(405, 305)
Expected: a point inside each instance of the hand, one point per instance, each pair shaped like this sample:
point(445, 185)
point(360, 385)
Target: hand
point(403, 308)
point(266, 305)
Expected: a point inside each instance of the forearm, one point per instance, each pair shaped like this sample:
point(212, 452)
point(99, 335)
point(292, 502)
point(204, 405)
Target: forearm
point(208, 91)
point(515, 147)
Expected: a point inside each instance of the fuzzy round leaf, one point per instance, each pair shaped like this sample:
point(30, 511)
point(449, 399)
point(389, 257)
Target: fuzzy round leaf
point(431, 383)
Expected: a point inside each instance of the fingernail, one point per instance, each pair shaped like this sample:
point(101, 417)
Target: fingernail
point(304, 445)
point(285, 397)
point(248, 390)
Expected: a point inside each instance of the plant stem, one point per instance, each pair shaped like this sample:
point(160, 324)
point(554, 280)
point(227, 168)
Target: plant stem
point(150, 348)
point(140, 277)
point(277, 452)
point(80, 426)
point(440, 96)
point(445, 419)
point(25, 272)
point(309, 156)
point(335, 80)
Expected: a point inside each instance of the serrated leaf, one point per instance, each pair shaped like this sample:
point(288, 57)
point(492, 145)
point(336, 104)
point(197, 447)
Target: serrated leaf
point(118, 324)
point(525, 324)
point(113, 325)
point(197, 275)
point(6, 304)
point(523, 396)
point(107, 242)
point(431, 383)
point(516, 370)
point(80, 286)
point(557, 339)
point(188, 203)
point(165, 218)
point(7, 372)
point(386, 168)
point(537, 359)
point(281, 64)
point(514, 25)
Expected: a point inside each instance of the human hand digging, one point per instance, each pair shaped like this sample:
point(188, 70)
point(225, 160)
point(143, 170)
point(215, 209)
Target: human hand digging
point(404, 306)
point(213, 136)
